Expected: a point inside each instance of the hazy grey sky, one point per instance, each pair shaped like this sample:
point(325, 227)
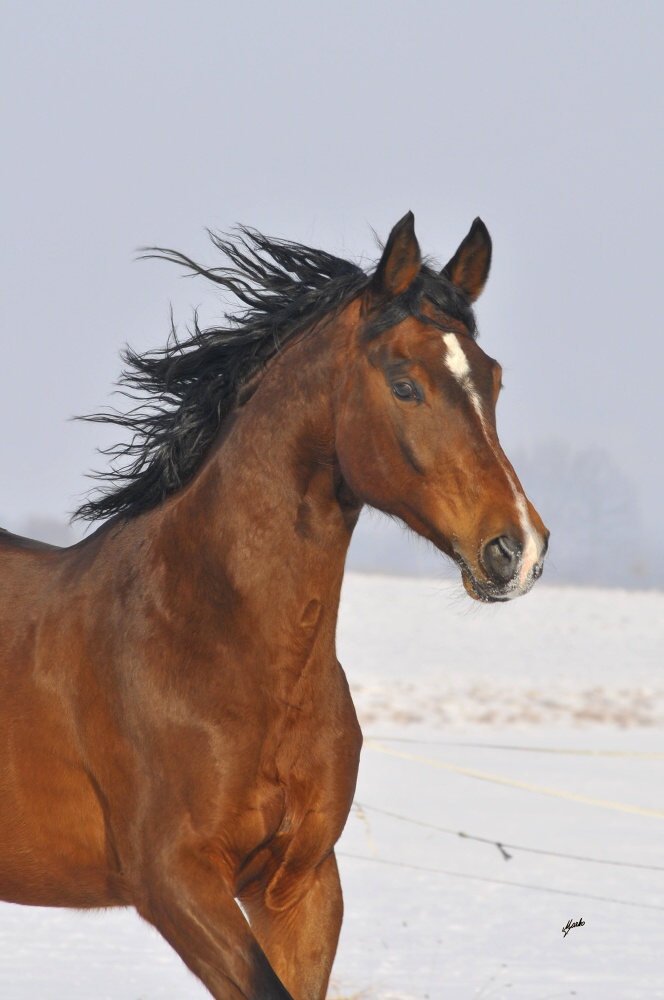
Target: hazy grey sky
point(141, 122)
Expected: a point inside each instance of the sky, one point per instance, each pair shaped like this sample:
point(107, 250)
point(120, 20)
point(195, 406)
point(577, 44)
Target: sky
point(129, 124)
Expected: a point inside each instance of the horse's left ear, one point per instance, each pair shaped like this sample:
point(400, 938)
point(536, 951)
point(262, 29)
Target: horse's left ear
point(401, 260)
point(469, 268)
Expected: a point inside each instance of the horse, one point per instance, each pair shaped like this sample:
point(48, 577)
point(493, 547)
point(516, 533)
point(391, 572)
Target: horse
point(176, 732)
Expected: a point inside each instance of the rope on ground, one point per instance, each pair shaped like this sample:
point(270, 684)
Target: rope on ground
point(639, 754)
point(361, 808)
point(361, 815)
point(499, 881)
point(514, 783)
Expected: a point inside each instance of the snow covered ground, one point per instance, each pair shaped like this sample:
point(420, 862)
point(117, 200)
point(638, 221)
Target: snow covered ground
point(536, 729)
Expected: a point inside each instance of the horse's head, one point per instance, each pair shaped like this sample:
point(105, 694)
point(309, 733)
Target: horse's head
point(416, 428)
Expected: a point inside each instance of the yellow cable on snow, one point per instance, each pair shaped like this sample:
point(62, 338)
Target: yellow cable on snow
point(513, 783)
point(640, 754)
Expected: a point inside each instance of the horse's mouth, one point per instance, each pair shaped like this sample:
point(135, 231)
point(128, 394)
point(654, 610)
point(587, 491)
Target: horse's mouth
point(490, 593)
point(478, 591)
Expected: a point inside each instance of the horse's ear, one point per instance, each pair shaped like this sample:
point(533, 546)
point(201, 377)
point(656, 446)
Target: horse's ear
point(469, 268)
point(401, 260)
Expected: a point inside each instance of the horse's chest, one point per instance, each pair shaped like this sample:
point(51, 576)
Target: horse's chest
point(297, 817)
point(314, 744)
point(305, 789)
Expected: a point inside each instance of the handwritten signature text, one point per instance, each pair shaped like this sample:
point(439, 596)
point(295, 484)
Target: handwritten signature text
point(572, 923)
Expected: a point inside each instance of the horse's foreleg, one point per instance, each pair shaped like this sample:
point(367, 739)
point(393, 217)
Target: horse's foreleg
point(195, 912)
point(299, 930)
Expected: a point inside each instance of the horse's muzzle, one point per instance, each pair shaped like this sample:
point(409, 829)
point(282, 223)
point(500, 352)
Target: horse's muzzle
point(501, 574)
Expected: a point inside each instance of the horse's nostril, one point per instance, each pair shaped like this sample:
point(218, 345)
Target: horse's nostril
point(501, 558)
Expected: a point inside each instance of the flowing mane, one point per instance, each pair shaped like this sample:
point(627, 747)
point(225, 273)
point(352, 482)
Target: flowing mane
point(184, 390)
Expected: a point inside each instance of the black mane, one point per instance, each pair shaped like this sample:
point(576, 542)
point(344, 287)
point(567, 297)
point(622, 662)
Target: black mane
point(185, 389)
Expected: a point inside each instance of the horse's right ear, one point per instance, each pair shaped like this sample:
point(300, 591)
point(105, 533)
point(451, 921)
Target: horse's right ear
point(400, 263)
point(469, 268)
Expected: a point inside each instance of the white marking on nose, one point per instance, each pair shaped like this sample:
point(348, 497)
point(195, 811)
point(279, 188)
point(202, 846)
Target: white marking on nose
point(531, 550)
point(457, 363)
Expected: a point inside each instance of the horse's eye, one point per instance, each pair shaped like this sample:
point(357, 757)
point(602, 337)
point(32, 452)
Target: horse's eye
point(405, 390)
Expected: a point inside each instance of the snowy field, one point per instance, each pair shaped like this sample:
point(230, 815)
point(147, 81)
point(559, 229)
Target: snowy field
point(511, 781)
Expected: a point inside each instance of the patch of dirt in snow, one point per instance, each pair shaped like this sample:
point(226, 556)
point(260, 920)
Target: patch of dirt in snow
point(563, 656)
point(491, 705)
point(338, 993)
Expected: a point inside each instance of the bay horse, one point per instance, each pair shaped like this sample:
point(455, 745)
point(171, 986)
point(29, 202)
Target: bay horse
point(176, 732)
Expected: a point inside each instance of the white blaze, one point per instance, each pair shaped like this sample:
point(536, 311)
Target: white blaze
point(457, 363)
point(456, 359)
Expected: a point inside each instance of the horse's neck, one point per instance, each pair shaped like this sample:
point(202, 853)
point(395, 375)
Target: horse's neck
point(267, 517)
